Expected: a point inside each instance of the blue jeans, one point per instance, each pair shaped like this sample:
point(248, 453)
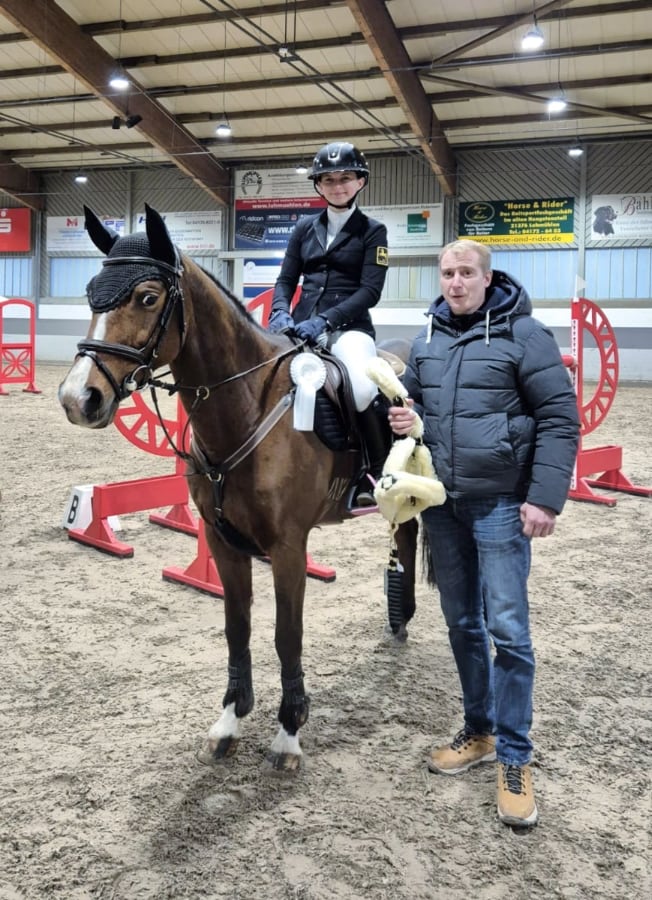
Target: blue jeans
point(482, 561)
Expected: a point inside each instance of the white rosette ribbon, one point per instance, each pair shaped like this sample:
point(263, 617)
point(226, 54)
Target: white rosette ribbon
point(308, 372)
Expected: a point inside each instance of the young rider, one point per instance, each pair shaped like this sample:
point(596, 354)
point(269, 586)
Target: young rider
point(342, 255)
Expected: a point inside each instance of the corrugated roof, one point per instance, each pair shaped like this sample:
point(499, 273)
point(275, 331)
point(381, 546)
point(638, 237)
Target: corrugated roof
point(405, 76)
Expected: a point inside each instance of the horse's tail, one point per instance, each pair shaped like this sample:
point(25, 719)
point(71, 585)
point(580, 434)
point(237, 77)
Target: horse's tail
point(427, 567)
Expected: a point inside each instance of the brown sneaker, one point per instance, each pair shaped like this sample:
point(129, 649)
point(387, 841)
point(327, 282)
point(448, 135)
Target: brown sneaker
point(516, 804)
point(464, 751)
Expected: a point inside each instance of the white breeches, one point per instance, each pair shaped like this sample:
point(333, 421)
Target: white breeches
point(355, 349)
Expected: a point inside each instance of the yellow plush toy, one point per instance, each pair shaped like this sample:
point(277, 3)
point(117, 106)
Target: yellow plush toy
point(409, 483)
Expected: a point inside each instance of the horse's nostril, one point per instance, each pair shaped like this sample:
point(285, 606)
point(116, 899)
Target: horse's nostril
point(93, 403)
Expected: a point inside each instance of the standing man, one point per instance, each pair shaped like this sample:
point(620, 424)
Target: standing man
point(501, 421)
point(341, 254)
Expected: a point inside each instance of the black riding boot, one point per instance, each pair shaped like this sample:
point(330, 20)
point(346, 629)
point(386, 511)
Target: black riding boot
point(376, 435)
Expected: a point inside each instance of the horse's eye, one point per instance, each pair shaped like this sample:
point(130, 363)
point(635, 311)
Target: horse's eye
point(148, 300)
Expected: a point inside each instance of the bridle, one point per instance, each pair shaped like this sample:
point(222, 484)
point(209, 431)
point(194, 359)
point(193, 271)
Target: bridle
point(145, 357)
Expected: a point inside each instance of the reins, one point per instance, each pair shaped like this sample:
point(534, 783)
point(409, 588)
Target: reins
point(203, 392)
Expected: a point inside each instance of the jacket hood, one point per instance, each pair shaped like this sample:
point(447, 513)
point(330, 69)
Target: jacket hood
point(505, 297)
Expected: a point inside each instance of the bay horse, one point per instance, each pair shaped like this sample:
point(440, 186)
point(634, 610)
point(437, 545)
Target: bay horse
point(259, 484)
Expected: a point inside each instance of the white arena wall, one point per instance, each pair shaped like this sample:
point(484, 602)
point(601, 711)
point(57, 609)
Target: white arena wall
point(60, 326)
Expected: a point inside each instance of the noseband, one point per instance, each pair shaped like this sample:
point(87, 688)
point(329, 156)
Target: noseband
point(147, 355)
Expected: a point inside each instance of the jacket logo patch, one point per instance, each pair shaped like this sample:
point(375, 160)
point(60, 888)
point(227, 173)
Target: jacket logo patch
point(382, 256)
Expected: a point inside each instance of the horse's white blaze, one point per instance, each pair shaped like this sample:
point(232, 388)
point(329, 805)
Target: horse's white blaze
point(73, 389)
point(228, 725)
point(286, 743)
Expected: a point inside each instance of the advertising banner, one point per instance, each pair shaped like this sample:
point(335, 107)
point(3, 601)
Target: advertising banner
point(268, 227)
point(618, 216)
point(411, 227)
point(15, 230)
point(268, 204)
point(66, 234)
point(253, 185)
point(537, 221)
point(192, 232)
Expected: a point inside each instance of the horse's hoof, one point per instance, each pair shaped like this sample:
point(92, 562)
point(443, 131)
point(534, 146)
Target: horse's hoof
point(399, 636)
point(282, 763)
point(214, 752)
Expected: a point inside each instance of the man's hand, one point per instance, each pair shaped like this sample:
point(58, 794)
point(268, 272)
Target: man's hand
point(279, 321)
point(311, 329)
point(538, 521)
point(401, 418)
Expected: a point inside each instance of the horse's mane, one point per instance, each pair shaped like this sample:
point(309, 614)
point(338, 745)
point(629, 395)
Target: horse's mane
point(239, 305)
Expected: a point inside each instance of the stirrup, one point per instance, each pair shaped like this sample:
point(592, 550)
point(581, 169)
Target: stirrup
point(362, 498)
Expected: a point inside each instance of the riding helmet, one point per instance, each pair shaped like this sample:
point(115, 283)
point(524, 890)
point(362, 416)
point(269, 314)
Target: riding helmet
point(339, 156)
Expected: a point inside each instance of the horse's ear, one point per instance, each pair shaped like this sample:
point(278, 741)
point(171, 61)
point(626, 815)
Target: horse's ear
point(101, 236)
point(160, 243)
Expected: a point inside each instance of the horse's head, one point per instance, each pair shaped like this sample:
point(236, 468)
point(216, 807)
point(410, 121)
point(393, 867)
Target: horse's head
point(134, 299)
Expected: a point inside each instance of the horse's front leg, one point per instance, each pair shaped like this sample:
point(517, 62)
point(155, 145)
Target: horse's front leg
point(289, 571)
point(235, 573)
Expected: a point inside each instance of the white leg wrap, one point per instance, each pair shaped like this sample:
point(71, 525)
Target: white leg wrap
point(227, 726)
point(286, 743)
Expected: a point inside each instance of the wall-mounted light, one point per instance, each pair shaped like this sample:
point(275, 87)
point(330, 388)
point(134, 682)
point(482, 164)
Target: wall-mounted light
point(533, 39)
point(301, 169)
point(223, 130)
point(576, 150)
point(80, 178)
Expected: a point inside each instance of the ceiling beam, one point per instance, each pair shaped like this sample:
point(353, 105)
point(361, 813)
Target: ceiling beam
point(429, 29)
point(255, 146)
point(288, 142)
point(422, 67)
point(469, 91)
point(508, 25)
point(379, 31)
point(294, 81)
point(60, 36)
point(518, 93)
point(472, 123)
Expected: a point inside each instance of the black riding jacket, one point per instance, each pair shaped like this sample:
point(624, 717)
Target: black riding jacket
point(342, 282)
point(499, 410)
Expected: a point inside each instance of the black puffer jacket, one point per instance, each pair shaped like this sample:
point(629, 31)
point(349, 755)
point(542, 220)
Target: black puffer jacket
point(342, 282)
point(500, 413)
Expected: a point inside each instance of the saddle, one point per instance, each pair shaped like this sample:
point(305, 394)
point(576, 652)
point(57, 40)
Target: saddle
point(336, 422)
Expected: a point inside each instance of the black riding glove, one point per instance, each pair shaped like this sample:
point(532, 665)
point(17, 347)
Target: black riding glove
point(280, 321)
point(311, 329)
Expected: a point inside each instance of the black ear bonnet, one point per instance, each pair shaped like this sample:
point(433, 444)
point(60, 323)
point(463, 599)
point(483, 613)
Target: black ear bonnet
point(129, 262)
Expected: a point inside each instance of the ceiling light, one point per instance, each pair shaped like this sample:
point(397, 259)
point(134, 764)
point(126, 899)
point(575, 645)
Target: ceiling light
point(301, 169)
point(286, 54)
point(80, 178)
point(576, 150)
point(119, 81)
point(223, 130)
point(557, 104)
point(533, 39)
